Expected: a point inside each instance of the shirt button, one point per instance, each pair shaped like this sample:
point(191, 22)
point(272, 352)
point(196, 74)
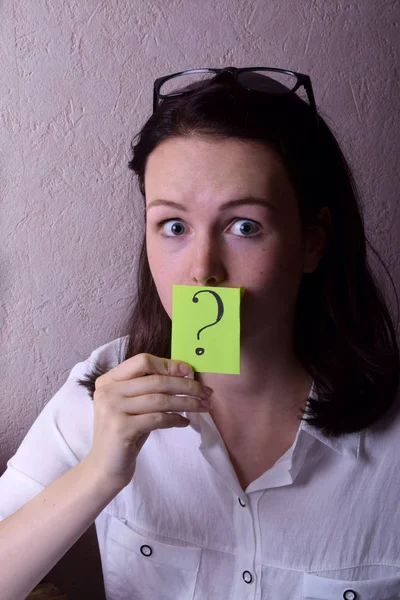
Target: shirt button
point(248, 577)
point(349, 595)
point(146, 550)
point(240, 502)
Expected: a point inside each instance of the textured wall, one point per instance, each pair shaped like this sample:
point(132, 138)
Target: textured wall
point(76, 85)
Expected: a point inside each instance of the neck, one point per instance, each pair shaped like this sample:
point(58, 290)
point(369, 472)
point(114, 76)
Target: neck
point(271, 387)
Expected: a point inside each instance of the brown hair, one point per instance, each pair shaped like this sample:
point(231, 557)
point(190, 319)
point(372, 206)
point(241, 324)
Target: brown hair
point(344, 335)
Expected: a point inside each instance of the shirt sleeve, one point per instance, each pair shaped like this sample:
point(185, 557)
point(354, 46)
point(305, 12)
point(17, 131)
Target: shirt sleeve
point(60, 437)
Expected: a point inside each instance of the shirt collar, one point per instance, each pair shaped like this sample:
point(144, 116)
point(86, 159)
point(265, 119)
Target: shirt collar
point(347, 444)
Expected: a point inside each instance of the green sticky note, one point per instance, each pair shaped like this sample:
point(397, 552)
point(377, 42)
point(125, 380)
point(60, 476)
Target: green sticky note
point(206, 328)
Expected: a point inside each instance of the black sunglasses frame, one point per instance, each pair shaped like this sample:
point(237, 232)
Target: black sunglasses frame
point(301, 78)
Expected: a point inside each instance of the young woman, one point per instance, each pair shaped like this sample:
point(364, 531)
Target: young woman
point(243, 184)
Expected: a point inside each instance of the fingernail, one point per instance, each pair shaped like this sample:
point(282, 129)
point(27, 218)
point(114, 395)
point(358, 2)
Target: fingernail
point(208, 390)
point(205, 403)
point(185, 369)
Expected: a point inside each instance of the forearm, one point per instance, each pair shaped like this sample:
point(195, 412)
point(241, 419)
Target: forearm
point(34, 538)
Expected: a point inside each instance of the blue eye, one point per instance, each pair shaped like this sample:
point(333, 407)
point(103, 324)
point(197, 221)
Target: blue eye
point(241, 227)
point(247, 228)
point(173, 228)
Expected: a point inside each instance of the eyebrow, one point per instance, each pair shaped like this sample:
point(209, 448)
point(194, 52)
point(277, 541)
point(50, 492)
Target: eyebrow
point(230, 204)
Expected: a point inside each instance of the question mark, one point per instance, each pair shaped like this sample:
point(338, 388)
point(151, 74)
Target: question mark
point(200, 351)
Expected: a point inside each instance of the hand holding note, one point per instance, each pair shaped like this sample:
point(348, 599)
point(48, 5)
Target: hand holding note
point(206, 328)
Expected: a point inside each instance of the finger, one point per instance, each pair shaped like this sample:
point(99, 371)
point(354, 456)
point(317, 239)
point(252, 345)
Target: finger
point(143, 364)
point(151, 422)
point(159, 384)
point(153, 403)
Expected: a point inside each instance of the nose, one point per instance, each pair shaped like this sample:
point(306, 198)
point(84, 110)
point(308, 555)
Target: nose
point(207, 265)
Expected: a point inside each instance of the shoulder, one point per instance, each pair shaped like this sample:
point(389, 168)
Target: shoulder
point(111, 351)
point(109, 354)
point(59, 438)
point(383, 437)
point(76, 396)
point(65, 424)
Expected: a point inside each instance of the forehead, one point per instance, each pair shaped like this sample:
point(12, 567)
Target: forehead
point(189, 165)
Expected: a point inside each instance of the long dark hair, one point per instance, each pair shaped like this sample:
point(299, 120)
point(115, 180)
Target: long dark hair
point(344, 335)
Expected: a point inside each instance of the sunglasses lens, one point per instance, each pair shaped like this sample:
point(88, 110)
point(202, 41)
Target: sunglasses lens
point(271, 82)
point(185, 82)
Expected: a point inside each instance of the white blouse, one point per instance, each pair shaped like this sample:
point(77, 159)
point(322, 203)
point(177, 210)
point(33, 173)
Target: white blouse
point(322, 523)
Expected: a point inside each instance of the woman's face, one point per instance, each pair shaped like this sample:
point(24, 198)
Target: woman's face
point(223, 213)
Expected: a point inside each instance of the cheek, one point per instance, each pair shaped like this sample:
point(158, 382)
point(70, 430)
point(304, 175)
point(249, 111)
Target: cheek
point(155, 257)
point(265, 266)
point(162, 275)
point(164, 290)
point(275, 269)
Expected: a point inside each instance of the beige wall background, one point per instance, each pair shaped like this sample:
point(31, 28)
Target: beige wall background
point(76, 85)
